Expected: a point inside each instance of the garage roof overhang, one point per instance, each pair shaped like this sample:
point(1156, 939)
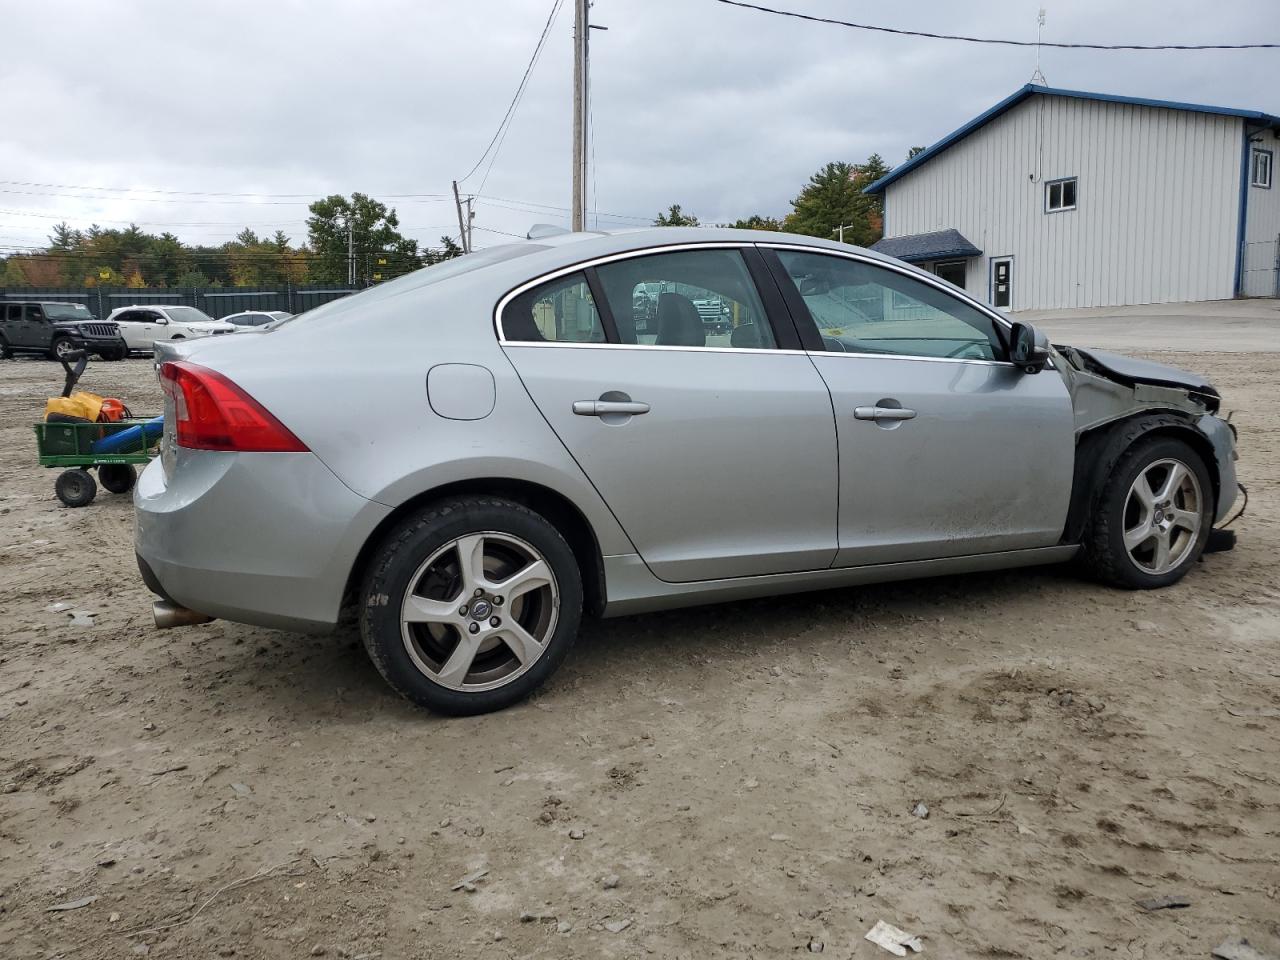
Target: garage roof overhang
point(940, 245)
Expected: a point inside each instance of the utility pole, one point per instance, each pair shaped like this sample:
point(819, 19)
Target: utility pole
point(580, 31)
point(351, 254)
point(464, 232)
point(471, 218)
point(841, 229)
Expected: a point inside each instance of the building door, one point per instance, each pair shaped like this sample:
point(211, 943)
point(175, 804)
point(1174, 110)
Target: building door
point(1002, 282)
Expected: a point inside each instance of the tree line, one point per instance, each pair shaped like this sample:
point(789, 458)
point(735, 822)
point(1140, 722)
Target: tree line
point(358, 230)
point(362, 235)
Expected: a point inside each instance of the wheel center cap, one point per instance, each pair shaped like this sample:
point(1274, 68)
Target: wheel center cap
point(480, 609)
point(1159, 518)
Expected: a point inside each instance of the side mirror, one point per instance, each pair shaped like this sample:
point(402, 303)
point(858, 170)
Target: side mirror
point(1028, 347)
point(161, 321)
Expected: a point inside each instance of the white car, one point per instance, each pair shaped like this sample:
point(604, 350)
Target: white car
point(143, 324)
point(249, 320)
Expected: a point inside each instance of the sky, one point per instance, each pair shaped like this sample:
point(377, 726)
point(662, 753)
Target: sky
point(138, 107)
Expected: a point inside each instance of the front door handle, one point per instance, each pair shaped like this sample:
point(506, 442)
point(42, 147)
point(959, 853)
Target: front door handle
point(883, 413)
point(603, 408)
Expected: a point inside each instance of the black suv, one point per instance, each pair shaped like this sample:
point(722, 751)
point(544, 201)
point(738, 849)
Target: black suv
point(55, 329)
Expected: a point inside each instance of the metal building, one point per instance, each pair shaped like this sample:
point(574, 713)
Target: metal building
point(1058, 198)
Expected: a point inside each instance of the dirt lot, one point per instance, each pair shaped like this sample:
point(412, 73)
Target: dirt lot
point(747, 773)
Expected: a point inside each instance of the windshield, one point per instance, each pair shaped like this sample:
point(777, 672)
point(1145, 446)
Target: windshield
point(188, 315)
point(66, 311)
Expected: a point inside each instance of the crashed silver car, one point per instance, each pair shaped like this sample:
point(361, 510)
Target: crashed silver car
point(475, 456)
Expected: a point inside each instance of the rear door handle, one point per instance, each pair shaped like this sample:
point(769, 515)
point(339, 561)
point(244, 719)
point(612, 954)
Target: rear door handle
point(603, 408)
point(883, 413)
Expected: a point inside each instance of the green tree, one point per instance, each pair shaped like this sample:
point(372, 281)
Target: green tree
point(834, 197)
point(757, 222)
point(374, 235)
point(13, 275)
point(447, 251)
point(675, 217)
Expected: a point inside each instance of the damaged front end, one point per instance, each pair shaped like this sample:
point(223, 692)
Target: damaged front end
point(1113, 396)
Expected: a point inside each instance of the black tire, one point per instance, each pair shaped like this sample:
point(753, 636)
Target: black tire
point(117, 477)
point(75, 488)
point(117, 354)
point(6, 352)
point(1105, 555)
point(411, 543)
point(59, 346)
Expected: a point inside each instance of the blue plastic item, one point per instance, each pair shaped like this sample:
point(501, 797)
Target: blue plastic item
point(135, 438)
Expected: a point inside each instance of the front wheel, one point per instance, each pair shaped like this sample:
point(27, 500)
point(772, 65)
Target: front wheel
point(1153, 517)
point(62, 348)
point(470, 605)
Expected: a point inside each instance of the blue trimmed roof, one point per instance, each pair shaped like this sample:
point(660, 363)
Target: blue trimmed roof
point(927, 246)
point(1030, 90)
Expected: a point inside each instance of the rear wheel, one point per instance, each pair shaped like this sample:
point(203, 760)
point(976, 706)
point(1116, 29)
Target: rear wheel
point(6, 353)
point(1153, 517)
point(75, 488)
point(470, 605)
point(117, 477)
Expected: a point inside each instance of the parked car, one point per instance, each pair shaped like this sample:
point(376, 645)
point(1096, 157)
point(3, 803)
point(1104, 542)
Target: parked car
point(54, 329)
point(254, 319)
point(143, 325)
point(477, 454)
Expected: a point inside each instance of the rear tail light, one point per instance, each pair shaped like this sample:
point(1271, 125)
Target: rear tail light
point(212, 413)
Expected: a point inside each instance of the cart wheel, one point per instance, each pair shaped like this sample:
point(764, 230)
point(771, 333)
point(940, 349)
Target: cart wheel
point(117, 477)
point(75, 488)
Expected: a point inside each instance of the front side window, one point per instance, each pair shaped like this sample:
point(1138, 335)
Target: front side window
point(688, 298)
point(1060, 195)
point(558, 311)
point(1260, 175)
point(860, 307)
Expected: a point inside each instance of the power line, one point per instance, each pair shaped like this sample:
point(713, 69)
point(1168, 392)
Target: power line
point(1008, 43)
point(196, 193)
point(515, 100)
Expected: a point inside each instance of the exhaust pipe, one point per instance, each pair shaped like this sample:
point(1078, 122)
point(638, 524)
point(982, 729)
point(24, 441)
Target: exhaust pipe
point(171, 615)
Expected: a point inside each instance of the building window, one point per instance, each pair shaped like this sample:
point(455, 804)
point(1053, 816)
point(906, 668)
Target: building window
point(1060, 195)
point(951, 271)
point(1260, 169)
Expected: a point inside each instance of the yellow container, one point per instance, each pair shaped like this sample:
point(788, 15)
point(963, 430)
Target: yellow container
point(81, 404)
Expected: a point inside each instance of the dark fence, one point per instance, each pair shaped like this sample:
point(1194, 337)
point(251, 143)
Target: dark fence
point(215, 301)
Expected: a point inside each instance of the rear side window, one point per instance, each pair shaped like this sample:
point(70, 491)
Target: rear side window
point(687, 298)
point(558, 311)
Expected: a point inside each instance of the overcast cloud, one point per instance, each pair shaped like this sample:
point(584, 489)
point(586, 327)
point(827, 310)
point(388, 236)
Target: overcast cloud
point(722, 110)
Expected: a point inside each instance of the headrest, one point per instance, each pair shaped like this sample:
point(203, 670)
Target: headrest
point(679, 324)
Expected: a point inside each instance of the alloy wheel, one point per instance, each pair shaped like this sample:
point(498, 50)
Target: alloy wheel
point(480, 611)
point(1163, 514)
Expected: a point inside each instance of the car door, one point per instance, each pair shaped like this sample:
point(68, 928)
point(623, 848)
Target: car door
point(715, 451)
point(15, 327)
point(37, 329)
point(946, 449)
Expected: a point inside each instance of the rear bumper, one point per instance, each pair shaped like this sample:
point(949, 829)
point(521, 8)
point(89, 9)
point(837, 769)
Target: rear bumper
point(262, 538)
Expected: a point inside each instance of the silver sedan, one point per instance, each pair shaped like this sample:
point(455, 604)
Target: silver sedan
point(474, 456)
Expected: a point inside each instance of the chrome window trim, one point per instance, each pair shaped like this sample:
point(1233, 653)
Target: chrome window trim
point(922, 277)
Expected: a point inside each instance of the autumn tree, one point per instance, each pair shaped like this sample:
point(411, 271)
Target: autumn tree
point(834, 197)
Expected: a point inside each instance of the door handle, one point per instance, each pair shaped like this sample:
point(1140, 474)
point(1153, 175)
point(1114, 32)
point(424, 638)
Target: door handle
point(603, 408)
point(883, 413)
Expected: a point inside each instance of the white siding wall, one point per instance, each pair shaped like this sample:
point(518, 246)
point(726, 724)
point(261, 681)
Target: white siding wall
point(1262, 228)
point(1157, 205)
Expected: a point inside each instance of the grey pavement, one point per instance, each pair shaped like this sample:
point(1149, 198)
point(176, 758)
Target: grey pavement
point(1216, 326)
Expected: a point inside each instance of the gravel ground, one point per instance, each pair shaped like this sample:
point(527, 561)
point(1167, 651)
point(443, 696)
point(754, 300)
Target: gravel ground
point(728, 781)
